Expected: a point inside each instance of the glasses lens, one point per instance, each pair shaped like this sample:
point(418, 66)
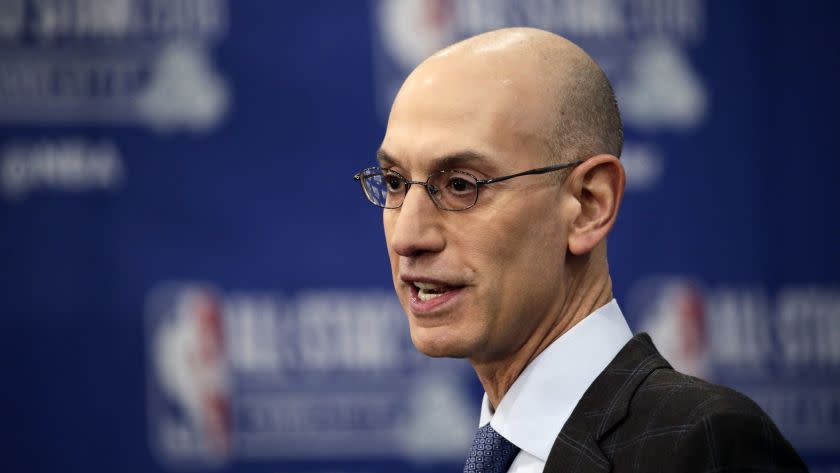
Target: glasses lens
point(454, 190)
point(383, 189)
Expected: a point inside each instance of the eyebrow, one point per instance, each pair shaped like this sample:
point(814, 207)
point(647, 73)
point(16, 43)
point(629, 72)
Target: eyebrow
point(449, 161)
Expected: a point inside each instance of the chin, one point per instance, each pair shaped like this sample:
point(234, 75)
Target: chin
point(437, 345)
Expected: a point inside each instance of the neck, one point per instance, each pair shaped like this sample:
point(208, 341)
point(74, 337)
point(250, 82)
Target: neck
point(497, 376)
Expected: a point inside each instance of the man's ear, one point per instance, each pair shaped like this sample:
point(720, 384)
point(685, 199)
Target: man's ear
point(598, 185)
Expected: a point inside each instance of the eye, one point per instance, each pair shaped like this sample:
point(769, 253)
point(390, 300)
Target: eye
point(393, 182)
point(460, 185)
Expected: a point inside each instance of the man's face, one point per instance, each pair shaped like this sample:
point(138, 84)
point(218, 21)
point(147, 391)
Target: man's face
point(474, 283)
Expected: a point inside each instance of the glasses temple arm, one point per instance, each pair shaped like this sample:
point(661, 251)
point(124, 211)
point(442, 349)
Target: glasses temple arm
point(544, 170)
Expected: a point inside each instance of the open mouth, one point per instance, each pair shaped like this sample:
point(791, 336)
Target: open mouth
point(427, 291)
point(432, 297)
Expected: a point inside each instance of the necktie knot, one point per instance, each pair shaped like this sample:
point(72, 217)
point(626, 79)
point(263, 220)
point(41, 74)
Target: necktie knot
point(490, 452)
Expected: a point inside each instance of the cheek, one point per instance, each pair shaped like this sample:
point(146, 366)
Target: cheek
point(526, 256)
point(388, 225)
point(521, 242)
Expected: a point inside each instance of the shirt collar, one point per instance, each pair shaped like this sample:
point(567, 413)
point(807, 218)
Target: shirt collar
point(542, 398)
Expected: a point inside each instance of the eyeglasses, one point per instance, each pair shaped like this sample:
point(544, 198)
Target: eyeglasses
point(449, 189)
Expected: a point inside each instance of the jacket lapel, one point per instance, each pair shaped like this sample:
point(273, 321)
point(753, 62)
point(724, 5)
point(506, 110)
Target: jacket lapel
point(603, 405)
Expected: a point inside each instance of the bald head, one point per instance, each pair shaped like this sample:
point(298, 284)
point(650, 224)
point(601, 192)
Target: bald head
point(525, 259)
point(559, 98)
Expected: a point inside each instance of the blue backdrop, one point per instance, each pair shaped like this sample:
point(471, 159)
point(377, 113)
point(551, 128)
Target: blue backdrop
point(191, 280)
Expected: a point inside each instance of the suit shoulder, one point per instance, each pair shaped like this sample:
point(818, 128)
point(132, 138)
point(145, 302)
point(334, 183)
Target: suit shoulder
point(693, 398)
point(715, 428)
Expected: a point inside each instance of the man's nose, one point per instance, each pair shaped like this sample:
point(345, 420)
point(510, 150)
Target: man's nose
point(416, 225)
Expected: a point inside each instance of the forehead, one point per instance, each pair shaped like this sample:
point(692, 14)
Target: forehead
point(468, 107)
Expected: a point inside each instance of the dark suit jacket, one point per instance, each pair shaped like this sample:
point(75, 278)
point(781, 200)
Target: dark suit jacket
point(641, 415)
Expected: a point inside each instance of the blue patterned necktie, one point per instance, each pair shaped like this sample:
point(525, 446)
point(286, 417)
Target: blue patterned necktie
point(490, 452)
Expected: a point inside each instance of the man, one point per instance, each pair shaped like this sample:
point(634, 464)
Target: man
point(500, 179)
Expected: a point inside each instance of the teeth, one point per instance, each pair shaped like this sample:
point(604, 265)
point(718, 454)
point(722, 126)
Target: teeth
point(427, 296)
point(424, 285)
point(428, 291)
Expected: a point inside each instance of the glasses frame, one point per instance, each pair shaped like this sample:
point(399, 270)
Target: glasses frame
point(478, 182)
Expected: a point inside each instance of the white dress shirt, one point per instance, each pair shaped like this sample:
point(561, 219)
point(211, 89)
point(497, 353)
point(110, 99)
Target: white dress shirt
point(542, 398)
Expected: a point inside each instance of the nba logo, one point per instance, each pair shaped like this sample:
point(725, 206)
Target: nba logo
point(672, 311)
point(188, 395)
